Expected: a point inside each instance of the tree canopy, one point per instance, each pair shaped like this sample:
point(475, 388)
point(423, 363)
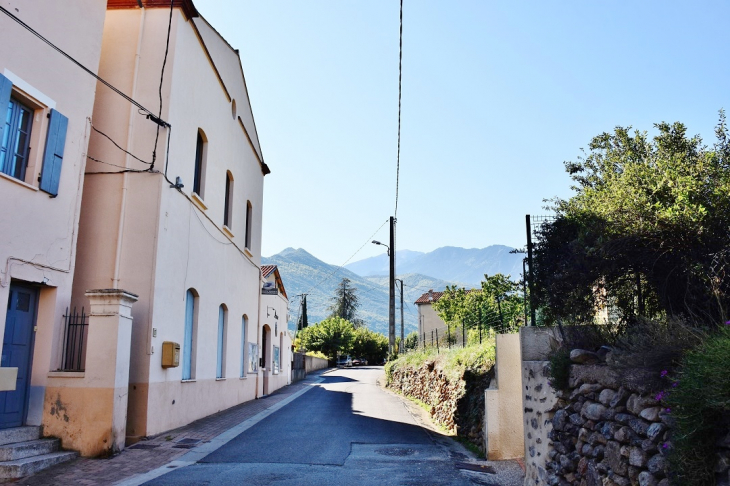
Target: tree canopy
point(345, 303)
point(498, 305)
point(335, 335)
point(646, 232)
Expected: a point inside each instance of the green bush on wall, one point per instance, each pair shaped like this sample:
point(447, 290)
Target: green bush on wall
point(698, 400)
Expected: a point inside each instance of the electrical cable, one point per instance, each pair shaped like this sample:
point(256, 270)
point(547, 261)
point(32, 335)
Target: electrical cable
point(116, 145)
point(162, 77)
point(87, 70)
point(348, 260)
point(400, 84)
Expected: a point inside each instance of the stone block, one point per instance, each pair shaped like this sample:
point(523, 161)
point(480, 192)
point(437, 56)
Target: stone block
point(651, 414)
point(655, 430)
point(593, 411)
point(582, 356)
point(647, 479)
point(658, 465)
point(606, 396)
point(637, 457)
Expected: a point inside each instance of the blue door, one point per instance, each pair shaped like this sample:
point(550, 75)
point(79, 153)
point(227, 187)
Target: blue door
point(17, 350)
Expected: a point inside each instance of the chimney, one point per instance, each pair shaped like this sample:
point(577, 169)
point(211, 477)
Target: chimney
point(430, 294)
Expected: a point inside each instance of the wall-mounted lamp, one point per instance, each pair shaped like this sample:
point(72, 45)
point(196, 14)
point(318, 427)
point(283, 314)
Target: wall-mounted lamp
point(267, 312)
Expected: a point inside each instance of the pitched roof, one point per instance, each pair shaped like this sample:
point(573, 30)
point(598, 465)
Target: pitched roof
point(267, 270)
point(430, 297)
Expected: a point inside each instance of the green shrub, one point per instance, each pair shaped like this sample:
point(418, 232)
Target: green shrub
point(697, 405)
point(559, 368)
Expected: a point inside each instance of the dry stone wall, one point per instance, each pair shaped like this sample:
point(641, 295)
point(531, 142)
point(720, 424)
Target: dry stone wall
point(457, 404)
point(608, 428)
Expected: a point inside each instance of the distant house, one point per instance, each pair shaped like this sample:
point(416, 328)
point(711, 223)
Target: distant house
point(276, 343)
point(428, 320)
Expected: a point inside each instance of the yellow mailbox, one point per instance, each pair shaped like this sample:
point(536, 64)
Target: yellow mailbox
point(170, 354)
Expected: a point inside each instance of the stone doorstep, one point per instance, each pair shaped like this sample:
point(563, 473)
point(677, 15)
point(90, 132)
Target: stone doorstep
point(21, 450)
point(19, 434)
point(31, 465)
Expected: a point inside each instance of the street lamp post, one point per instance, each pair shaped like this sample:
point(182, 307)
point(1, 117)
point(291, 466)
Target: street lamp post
point(391, 303)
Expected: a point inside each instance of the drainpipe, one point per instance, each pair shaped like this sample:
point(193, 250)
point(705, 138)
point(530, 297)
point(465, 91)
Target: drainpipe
point(130, 136)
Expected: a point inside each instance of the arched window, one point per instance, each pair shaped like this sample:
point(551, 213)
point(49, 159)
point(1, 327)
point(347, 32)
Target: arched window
point(249, 216)
point(228, 202)
point(201, 154)
point(189, 337)
point(244, 326)
point(221, 363)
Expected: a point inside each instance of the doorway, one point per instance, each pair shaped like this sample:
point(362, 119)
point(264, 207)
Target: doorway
point(17, 352)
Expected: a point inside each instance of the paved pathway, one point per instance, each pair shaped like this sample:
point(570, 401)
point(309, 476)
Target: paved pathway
point(159, 451)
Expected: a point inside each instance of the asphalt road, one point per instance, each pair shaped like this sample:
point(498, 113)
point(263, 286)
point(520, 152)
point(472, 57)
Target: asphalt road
point(345, 431)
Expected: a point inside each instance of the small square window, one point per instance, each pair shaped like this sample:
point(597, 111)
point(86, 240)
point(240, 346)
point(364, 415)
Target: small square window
point(15, 149)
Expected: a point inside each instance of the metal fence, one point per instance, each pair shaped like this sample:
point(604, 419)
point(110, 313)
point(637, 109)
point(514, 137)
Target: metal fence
point(74, 340)
point(459, 335)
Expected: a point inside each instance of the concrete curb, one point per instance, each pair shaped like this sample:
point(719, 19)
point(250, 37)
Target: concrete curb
point(214, 444)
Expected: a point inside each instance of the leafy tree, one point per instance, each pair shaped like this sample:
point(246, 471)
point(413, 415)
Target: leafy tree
point(498, 305)
point(331, 336)
point(303, 323)
point(646, 232)
point(345, 303)
point(412, 340)
point(369, 344)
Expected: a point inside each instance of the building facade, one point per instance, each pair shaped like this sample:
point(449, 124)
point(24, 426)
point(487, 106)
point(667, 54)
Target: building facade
point(47, 99)
point(171, 214)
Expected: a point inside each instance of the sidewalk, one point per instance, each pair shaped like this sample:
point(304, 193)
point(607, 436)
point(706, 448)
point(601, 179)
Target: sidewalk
point(151, 454)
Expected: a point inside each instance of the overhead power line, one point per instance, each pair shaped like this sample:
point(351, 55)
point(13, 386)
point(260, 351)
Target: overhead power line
point(400, 85)
point(87, 70)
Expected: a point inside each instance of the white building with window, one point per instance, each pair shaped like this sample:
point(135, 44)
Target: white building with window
point(177, 224)
point(46, 101)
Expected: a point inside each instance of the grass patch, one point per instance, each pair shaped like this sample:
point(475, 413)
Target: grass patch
point(452, 361)
point(698, 403)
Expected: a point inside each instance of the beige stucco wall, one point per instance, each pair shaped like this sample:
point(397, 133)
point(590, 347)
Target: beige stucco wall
point(139, 234)
point(37, 232)
point(428, 321)
point(504, 434)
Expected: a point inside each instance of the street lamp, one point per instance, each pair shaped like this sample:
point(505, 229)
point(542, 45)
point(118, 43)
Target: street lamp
point(376, 242)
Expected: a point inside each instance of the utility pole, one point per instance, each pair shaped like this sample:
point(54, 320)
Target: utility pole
point(391, 304)
point(402, 337)
point(531, 281)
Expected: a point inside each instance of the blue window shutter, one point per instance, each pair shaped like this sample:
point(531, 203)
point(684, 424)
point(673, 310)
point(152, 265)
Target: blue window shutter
point(6, 87)
point(53, 156)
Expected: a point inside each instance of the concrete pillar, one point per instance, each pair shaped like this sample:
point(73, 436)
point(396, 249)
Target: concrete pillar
point(504, 434)
point(88, 410)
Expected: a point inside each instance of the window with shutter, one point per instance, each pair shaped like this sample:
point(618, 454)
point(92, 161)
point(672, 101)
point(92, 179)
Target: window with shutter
point(53, 156)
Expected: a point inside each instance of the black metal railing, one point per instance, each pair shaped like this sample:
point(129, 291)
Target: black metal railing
point(74, 340)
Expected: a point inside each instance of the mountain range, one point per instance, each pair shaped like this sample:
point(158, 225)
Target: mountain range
point(465, 266)
point(302, 272)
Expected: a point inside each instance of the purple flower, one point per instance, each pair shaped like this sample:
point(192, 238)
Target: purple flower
point(664, 373)
point(674, 385)
point(659, 397)
point(665, 445)
point(667, 410)
point(727, 323)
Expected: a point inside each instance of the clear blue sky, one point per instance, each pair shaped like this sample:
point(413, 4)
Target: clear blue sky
point(496, 96)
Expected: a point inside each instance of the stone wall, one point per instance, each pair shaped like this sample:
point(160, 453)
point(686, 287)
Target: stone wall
point(312, 363)
point(457, 404)
point(608, 429)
